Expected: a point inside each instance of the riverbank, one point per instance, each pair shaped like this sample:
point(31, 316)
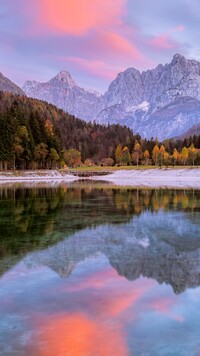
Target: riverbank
point(154, 177)
point(158, 177)
point(36, 175)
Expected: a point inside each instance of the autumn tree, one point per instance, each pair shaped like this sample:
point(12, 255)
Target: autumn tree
point(175, 156)
point(166, 158)
point(184, 155)
point(136, 153)
point(40, 154)
point(192, 153)
point(155, 153)
point(118, 154)
point(53, 157)
point(89, 162)
point(146, 157)
point(72, 157)
point(107, 161)
point(162, 152)
point(126, 157)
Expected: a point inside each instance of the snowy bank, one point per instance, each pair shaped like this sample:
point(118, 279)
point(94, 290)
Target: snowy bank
point(161, 177)
point(36, 176)
point(158, 177)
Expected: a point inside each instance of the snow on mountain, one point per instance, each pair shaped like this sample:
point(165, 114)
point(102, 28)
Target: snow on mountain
point(162, 102)
point(63, 91)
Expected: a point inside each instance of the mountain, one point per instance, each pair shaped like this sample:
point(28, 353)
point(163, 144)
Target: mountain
point(63, 91)
point(163, 102)
point(7, 86)
point(194, 130)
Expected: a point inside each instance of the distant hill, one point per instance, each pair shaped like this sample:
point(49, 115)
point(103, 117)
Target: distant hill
point(194, 130)
point(7, 86)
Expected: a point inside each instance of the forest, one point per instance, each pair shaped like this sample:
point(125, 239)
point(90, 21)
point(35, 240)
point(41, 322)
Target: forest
point(38, 135)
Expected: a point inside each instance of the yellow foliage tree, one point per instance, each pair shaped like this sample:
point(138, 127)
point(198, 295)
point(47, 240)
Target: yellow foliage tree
point(146, 156)
point(184, 155)
point(136, 152)
point(155, 153)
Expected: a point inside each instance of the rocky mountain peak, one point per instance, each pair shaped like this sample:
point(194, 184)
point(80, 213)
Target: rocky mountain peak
point(178, 59)
point(162, 102)
point(64, 77)
point(126, 87)
point(64, 92)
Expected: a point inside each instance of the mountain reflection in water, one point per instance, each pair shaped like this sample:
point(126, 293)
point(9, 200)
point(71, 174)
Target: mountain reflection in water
point(94, 235)
point(153, 233)
point(153, 245)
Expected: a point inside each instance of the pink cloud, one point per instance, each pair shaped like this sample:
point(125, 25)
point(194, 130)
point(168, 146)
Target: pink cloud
point(100, 279)
point(165, 306)
point(121, 301)
point(77, 334)
point(179, 28)
point(100, 24)
point(97, 67)
point(117, 43)
point(162, 42)
point(78, 17)
point(106, 54)
point(116, 298)
point(162, 305)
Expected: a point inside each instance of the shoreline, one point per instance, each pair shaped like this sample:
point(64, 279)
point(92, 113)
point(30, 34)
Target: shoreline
point(157, 177)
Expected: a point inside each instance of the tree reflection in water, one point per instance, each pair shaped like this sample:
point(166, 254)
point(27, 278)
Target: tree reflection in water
point(33, 218)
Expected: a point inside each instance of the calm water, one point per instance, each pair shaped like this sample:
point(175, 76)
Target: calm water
point(91, 269)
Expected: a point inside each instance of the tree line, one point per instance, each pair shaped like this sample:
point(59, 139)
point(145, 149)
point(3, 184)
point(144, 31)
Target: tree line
point(160, 154)
point(37, 135)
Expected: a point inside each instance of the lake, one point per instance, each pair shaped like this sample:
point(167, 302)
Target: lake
point(94, 269)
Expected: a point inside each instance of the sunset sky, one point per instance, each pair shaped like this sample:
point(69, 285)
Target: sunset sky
point(94, 39)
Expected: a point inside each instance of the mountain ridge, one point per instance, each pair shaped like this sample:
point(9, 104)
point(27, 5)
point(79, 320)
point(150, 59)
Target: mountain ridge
point(140, 100)
point(7, 85)
point(163, 102)
point(63, 91)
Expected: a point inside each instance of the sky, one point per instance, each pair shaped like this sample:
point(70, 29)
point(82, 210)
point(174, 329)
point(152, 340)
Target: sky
point(94, 40)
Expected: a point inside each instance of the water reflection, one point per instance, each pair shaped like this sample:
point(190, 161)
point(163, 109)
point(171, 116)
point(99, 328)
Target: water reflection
point(162, 246)
point(99, 270)
point(37, 217)
point(94, 312)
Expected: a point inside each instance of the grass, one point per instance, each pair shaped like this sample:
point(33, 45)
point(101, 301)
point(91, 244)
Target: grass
point(127, 168)
point(108, 168)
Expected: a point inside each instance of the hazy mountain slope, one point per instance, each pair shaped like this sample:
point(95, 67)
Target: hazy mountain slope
point(7, 85)
point(194, 130)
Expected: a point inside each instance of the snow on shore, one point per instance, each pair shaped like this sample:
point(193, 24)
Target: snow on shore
point(37, 176)
point(163, 177)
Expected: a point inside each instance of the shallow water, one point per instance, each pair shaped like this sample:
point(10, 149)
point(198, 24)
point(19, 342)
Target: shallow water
point(94, 269)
